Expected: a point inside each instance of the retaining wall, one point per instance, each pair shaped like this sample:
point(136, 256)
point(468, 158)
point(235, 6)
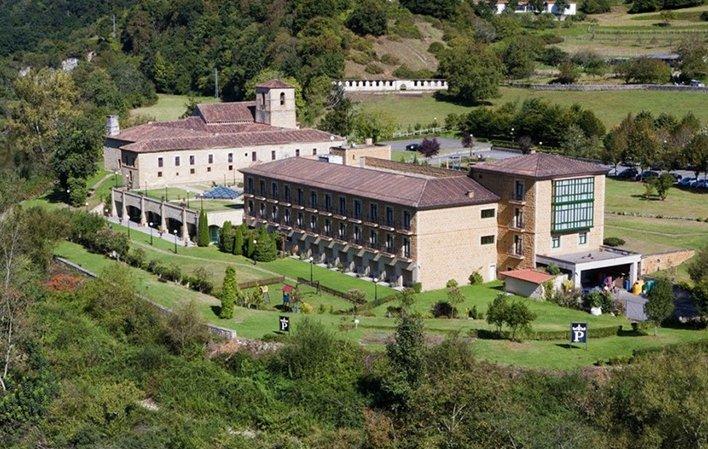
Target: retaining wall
point(610, 87)
point(651, 263)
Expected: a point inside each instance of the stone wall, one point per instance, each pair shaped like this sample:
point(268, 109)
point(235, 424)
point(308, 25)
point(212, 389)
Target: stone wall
point(448, 245)
point(610, 87)
point(420, 85)
point(662, 261)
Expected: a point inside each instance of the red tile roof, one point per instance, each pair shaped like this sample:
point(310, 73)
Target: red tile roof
point(421, 192)
point(219, 125)
point(275, 84)
point(234, 112)
point(528, 275)
point(541, 166)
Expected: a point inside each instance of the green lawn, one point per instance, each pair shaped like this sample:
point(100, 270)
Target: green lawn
point(652, 235)
point(171, 193)
point(169, 107)
point(610, 107)
point(374, 331)
point(628, 196)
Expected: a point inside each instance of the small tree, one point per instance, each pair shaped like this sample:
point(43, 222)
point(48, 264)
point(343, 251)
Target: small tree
point(429, 147)
point(497, 311)
point(519, 317)
point(226, 238)
point(455, 297)
point(202, 229)
point(660, 305)
point(265, 247)
point(229, 294)
point(525, 144)
point(238, 241)
point(249, 245)
point(406, 297)
point(662, 184)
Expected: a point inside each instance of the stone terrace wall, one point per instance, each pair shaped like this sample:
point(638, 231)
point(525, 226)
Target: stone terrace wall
point(427, 170)
point(661, 261)
point(610, 87)
point(420, 85)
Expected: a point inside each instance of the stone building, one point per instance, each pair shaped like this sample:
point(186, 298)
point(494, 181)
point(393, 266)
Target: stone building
point(551, 211)
point(398, 227)
point(214, 143)
point(404, 223)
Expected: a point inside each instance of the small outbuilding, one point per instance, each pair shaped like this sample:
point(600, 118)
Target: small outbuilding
point(526, 282)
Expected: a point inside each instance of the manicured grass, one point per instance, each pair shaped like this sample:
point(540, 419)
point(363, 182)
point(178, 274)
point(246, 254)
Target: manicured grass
point(610, 107)
point(173, 194)
point(652, 235)
point(374, 331)
point(170, 107)
point(628, 197)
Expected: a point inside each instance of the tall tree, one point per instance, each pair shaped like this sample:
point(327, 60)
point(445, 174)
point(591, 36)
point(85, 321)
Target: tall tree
point(229, 294)
point(660, 304)
point(473, 71)
point(202, 229)
point(45, 100)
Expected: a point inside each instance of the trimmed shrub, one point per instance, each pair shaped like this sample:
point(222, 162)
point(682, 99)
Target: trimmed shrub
point(613, 241)
point(476, 278)
point(356, 296)
point(553, 269)
point(417, 287)
point(451, 283)
point(443, 309)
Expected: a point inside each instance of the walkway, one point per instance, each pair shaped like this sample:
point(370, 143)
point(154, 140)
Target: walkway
point(634, 305)
point(146, 230)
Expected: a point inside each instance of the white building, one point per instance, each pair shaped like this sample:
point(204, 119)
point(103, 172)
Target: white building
point(213, 144)
point(548, 7)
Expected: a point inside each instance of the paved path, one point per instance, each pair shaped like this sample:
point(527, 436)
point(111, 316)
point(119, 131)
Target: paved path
point(155, 233)
point(634, 305)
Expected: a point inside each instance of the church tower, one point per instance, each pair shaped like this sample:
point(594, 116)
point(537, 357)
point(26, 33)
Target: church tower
point(275, 104)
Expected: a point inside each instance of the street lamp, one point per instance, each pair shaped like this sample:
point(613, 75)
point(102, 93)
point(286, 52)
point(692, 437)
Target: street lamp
point(376, 288)
point(151, 223)
point(175, 233)
point(311, 264)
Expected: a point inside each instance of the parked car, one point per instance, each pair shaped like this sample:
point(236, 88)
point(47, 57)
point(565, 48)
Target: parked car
point(413, 147)
point(628, 173)
point(646, 175)
point(685, 182)
point(699, 184)
point(677, 177)
point(696, 83)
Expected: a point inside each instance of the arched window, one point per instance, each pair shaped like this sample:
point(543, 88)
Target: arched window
point(282, 98)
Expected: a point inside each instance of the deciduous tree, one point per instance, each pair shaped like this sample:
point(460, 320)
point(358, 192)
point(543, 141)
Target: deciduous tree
point(660, 304)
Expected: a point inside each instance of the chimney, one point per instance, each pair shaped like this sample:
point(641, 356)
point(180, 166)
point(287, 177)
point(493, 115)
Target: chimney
point(470, 194)
point(369, 141)
point(112, 126)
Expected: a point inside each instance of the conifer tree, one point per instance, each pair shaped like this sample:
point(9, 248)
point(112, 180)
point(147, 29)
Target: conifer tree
point(229, 294)
point(203, 229)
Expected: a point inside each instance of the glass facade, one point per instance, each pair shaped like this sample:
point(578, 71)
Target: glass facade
point(572, 204)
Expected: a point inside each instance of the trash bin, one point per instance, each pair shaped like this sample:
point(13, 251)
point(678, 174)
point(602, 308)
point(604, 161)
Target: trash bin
point(627, 284)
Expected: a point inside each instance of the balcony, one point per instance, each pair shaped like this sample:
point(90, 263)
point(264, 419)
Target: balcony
point(516, 252)
point(516, 225)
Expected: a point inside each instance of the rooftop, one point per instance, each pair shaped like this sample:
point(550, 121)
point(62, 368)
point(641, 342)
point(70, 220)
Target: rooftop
point(420, 192)
point(219, 125)
point(541, 166)
point(528, 275)
point(604, 253)
point(275, 84)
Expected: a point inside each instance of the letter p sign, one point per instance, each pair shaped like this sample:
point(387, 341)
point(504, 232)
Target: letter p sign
point(578, 333)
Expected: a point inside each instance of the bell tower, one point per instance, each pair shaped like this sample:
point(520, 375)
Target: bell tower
point(275, 104)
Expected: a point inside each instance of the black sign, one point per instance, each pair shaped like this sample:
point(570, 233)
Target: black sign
point(579, 333)
point(284, 324)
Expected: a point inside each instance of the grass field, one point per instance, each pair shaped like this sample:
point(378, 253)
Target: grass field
point(628, 196)
point(169, 107)
point(610, 107)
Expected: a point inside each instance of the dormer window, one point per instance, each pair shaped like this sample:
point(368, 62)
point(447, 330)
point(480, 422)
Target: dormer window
point(282, 98)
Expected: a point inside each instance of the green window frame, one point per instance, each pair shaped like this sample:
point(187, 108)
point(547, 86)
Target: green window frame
point(573, 204)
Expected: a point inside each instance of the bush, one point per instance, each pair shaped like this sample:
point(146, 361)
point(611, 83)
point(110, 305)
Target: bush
point(475, 278)
point(172, 273)
point(553, 56)
point(613, 241)
point(595, 6)
point(443, 309)
point(356, 296)
point(306, 308)
point(451, 283)
point(390, 59)
point(474, 314)
point(373, 68)
point(553, 269)
point(645, 70)
point(436, 47)
point(200, 281)
point(417, 287)
point(136, 258)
